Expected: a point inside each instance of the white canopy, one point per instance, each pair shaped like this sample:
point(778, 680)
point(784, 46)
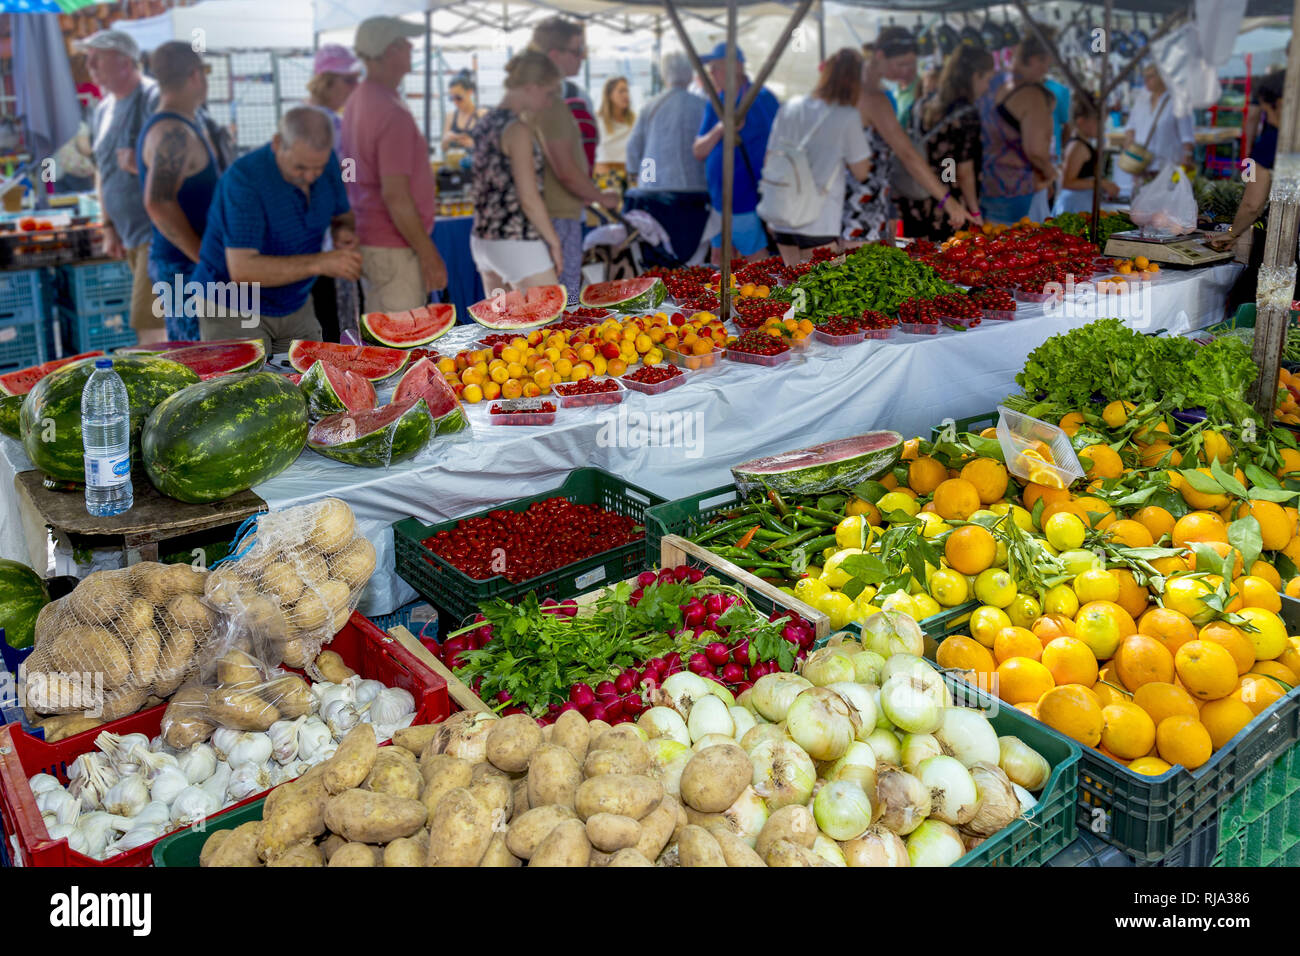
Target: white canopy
point(229, 25)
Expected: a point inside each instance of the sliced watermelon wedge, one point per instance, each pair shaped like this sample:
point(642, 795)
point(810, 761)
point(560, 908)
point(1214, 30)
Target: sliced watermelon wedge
point(520, 308)
point(626, 295)
point(211, 359)
point(375, 438)
point(423, 380)
point(21, 381)
point(404, 330)
point(837, 464)
point(374, 362)
point(329, 390)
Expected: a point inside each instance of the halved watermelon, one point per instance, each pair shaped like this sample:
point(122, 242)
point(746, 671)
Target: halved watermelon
point(375, 438)
point(211, 359)
point(837, 464)
point(520, 308)
point(423, 380)
point(374, 362)
point(625, 295)
point(157, 348)
point(21, 381)
point(329, 390)
point(404, 330)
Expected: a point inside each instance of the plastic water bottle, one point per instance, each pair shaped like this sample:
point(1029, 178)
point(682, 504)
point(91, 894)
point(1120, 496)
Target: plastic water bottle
point(106, 440)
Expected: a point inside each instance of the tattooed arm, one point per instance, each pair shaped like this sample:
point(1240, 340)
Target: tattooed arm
point(166, 149)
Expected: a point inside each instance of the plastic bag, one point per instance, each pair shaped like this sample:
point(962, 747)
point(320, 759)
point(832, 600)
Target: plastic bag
point(1165, 206)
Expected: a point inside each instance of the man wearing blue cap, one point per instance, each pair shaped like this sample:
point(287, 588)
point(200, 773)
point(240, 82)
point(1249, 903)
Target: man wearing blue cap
point(748, 238)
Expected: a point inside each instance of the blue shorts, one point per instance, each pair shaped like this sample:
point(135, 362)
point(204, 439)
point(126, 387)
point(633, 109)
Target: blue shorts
point(747, 235)
point(1007, 210)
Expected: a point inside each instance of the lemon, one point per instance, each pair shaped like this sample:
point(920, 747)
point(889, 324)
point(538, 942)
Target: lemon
point(836, 605)
point(983, 517)
point(1097, 585)
point(1047, 476)
point(899, 601)
point(809, 589)
point(1064, 531)
point(932, 525)
point(864, 611)
point(995, 587)
point(832, 575)
point(865, 596)
point(1061, 600)
point(1000, 554)
point(897, 501)
point(985, 622)
point(1078, 561)
point(948, 588)
point(1024, 610)
point(1018, 514)
point(814, 571)
point(926, 606)
point(853, 532)
point(1269, 636)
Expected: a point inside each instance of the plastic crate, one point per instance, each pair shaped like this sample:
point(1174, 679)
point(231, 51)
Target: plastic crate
point(23, 343)
point(449, 589)
point(182, 848)
point(363, 647)
point(1260, 825)
point(23, 294)
point(972, 423)
point(86, 331)
point(96, 286)
point(753, 358)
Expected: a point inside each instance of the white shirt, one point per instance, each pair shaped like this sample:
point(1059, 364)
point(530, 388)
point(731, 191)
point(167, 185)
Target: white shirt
point(612, 147)
point(1171, 131)
point(839, 140)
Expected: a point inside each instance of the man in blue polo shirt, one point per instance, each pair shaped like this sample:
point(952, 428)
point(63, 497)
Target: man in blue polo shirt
point(748, 238)
point(261, 249)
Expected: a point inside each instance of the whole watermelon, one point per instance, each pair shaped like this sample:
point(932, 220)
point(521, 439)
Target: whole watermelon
point(10, 408)
point(219, 437)
point(51, 414)
point(22, 595)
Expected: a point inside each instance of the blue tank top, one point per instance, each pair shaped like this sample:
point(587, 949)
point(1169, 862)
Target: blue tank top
point(195, 194)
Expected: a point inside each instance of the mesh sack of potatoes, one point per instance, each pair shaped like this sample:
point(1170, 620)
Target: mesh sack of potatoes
point(119, 641)
point(294, 584)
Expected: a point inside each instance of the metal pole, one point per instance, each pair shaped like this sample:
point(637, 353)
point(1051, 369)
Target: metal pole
point(656, 79)
point(1100, 164)
point(729, 161)
point(442, 98)
point(428, 78)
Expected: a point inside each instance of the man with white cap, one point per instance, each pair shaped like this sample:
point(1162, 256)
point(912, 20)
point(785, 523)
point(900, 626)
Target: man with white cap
point(386, 168)
point(113, 60)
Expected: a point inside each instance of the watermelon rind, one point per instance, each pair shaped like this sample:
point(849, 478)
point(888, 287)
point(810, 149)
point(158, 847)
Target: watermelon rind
point(21, 381)
point(375, 362)
point(547, 304)
point(322, 397)
point(625, 295)
point(842, 463)
point(211, 359)
point(22, 595)
point(222, 436)
point(443, 320)
point(413, 384)
point(402, 437)
point(11, 407)
point(50, 420)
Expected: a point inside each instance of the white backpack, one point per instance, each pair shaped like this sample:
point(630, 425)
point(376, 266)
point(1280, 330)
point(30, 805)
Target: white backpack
point(789, 197)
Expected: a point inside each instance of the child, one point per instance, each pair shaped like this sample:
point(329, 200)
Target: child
point(1079, 169)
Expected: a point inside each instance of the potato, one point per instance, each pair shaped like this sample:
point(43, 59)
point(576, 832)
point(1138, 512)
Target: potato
point(698, 848)
point(71, 725)
point(485, 771)
point(624, 736)
point(442, 774)
point(415, 739)
point(293, 812)
point(236, 667)
point(149, 579)
point(305, 853)
point(183, 579)
point(547, 733)
point(785, 852)
point(572, 734)
point(332, 668)
point(174, 661)
point(290, 694)
point(297, 652)
point(146, 647)
point(595, 728)
point(405, 851)
point(354, 854)
point(309, 613)
point(657, 828)
point(335, 594)
point(529, 829)
point(353, 761)
point(519, 796)
point(134, 618)
point(313, 570)
point(631, 796)
point(553, 777)
point(280, 580)
point(734, 850)
point(100, 597)
point(211, 845)
point(123, 702)
point(612, 832)
point(460, 830)
point(188, 611)
point(629, 857)
point(498, 854)
point(334, 525)
point(92, 649)
point(367, 817)
point(511, 741)
point(330, 844)
point(355, 563)
point(715, 777)
point(498, 795)
point(565, 845)
point(241, 710)
point(185, 721)
point(240, 849)
point(394, 775)
point(601, 762)
point(794, 823)
point(599, 858)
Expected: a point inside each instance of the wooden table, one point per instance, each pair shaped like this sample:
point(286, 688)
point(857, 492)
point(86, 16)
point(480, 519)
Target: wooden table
point(153, 518)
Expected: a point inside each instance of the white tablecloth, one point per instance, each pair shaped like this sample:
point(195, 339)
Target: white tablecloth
point(719, 417)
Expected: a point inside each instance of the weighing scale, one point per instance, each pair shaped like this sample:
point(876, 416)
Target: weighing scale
point(1185, 250)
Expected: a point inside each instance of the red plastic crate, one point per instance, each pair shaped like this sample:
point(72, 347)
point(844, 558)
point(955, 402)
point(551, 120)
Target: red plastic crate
point(364, 648)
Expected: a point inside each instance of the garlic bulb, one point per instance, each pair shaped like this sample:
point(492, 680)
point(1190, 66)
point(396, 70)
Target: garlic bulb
point(93, 831)
point(91, 775)
point(335, 692)
point(216, 784)
point(167, 784)
point(223, 738)
point(120, 749)
point(251, 748)
point(293, 770)
point(385, 731)
point(159, 746)
point(133, 838)
point(312, 736)
point(193, 804)
point(156, 813)
point(198, 763)
point(43, 783)
point(367, 689)
point(250, 778)
point(128, 796)
point(390, 705)
point(339, 716)
point(284, 738)
point(60, 831)
point(61, 805)
point(152, 763)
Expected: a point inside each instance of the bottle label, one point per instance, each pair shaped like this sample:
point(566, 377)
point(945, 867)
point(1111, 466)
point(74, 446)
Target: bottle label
point(108, 471)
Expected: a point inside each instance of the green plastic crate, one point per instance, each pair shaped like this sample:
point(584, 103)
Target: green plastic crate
point(1260, 825)
point(973, 423)
point(183, 847)
point(451, 590)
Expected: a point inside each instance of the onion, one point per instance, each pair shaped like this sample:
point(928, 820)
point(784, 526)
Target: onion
point(935, 843)
point(967, 735)
point(668, 758)
point(892, 632)
point(910, 705)
point(819, 721)
point(882, 722)
point(719, 690)
point(826, 848)
point(1025, 798)
point(759, 733)
point(774, 693)
point(680, 691)
point(827, 666)
point(953, 797)
point(743, 721)
point(858, 754)
point(876, 847)
point(745, 817)
point(904, 800)
point(842, 810)
point(712, 740)
point(708, 716)
point(845, 639)
point(783, 773)
point(665, 722)
point(464, 735)
point(746, 700)
point(867, 666)
point(886, 747)
point(918, 747)
point(862, 706)
point(998, 803)
point(920, 669)
point(1022, 764)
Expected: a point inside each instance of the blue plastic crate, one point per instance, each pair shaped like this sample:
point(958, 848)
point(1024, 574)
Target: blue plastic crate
point(24, 295)
point(86, 331)
point(23, 342)
point(96, 286)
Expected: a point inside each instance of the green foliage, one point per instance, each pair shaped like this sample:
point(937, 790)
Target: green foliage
point(873, 277)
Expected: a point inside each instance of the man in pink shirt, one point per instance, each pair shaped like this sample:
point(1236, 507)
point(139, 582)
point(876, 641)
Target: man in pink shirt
point(386, 169)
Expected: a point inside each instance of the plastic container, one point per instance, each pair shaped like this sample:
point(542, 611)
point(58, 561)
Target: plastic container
point(657, 388)
point(919, 328)
point(1019, 433)
point(591, 398)
point(879, 333)
point(1000, 315)
point(522, 418)
point(1036, 296)
point(363, 647)
point(853, 338)
point(182, 848)
point(767, 361)
point(692, 362)
point(451, 590)
point(87, 331)
point(95, 286)
point(23, 295)
point(961, 322)
point(22, 344)
point(1260, 824)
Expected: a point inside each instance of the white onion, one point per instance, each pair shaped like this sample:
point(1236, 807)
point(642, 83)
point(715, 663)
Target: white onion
point(904, 800)
point(886, 746)
point(668, 758)
point(711, 740)
point(465, 733)
point(819, 721)
point(935, 843)
point(828, 666)
point(826, 848)
point(892, 632)
point(867, 666)
point(918, 747)
point(742, 719)
point(998, 803)
point(665, 722)
point(953, 797)
point(709, 716)
point(1025, 798)
point(882, 722)
point(774, 693)
point(877, 847)
point(904, 664)
point(845, 639)
point(910, 705)
point(719, 690)
point(967, 735)
point(746, 700)
point(680, 691)
point(842, 810)
point(1024, 765)
point(859, 753)
point(759, 733)
point(862, 705)
point(783, 773)
point(745, 817)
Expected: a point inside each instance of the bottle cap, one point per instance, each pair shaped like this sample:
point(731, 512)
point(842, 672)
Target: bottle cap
point(104, 363)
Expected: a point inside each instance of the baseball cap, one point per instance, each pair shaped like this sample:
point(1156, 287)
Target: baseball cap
point(335, 58)
point(376, 34)
point(112, 40)
point(719, 52)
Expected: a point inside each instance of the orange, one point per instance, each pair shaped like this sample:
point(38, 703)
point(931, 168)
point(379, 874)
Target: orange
point(1050, 496)
point(1290, 461)
point(1133, 597)
point(1127, 730)
point(1183, 740)
point(1206, 669)
point(1269, 635)
point(1258, 691)
point(1130, 534)
point(970, 549)
point(1276, 527)
point(1071, 422)
point(1049, 627)
point(956, 498)
point(1275, 669)
point(989, 478)
point(1169, 627)
point(1102, 625)
point(966, 654)
point(1074, 711)
point(1108, 693)
point(1257, 592)
point(1115, 415)
point(1162, 700)
point(1029, 708)
point(1153, 454)
point(1087, 506)
point(1262, 569)
point(1016, 642)
point(1199, 526)
point(1202, 500)
point(1200, 562)
point(1143, 660)
point(1070, 661)
point(1224, 718)
point(1233, 641)
point(1150, 766)
point(1156, 520)
point(925, 474)
point(1290, 658)
point(1023, 680)
point(1103, 461)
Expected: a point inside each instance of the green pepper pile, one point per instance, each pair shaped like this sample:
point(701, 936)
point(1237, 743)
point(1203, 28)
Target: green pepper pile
point(774, 538)
point(877, 278)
